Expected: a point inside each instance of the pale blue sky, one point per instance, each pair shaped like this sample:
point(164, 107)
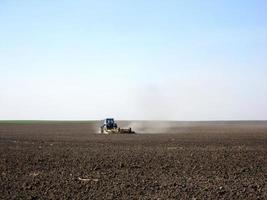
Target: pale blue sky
point(133, 59)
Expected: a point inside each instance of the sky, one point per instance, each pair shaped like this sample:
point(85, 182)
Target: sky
point(133, 59)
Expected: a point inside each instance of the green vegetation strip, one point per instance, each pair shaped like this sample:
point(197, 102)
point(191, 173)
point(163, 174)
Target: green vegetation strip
point(43, 122)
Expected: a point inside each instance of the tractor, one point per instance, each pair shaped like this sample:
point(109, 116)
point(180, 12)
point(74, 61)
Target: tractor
point(110, 127)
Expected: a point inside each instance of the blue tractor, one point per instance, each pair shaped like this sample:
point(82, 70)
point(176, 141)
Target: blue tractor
point(110, 127)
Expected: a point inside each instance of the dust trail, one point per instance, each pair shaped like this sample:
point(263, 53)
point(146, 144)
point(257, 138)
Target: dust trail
point(158, 126)
point(96, 126)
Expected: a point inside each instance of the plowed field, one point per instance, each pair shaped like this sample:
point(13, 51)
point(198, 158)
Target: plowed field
point(188, 161)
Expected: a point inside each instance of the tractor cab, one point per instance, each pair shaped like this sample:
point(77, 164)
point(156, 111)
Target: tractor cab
point(109, 123)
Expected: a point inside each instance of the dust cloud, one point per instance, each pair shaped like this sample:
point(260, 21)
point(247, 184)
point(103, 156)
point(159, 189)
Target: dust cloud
point(153, 127)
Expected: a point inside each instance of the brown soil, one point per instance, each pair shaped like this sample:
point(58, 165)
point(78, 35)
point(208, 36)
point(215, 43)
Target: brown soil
point(190, 161)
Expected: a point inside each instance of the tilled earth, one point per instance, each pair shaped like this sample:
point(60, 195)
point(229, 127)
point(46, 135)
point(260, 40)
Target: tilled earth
point(68, 161)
